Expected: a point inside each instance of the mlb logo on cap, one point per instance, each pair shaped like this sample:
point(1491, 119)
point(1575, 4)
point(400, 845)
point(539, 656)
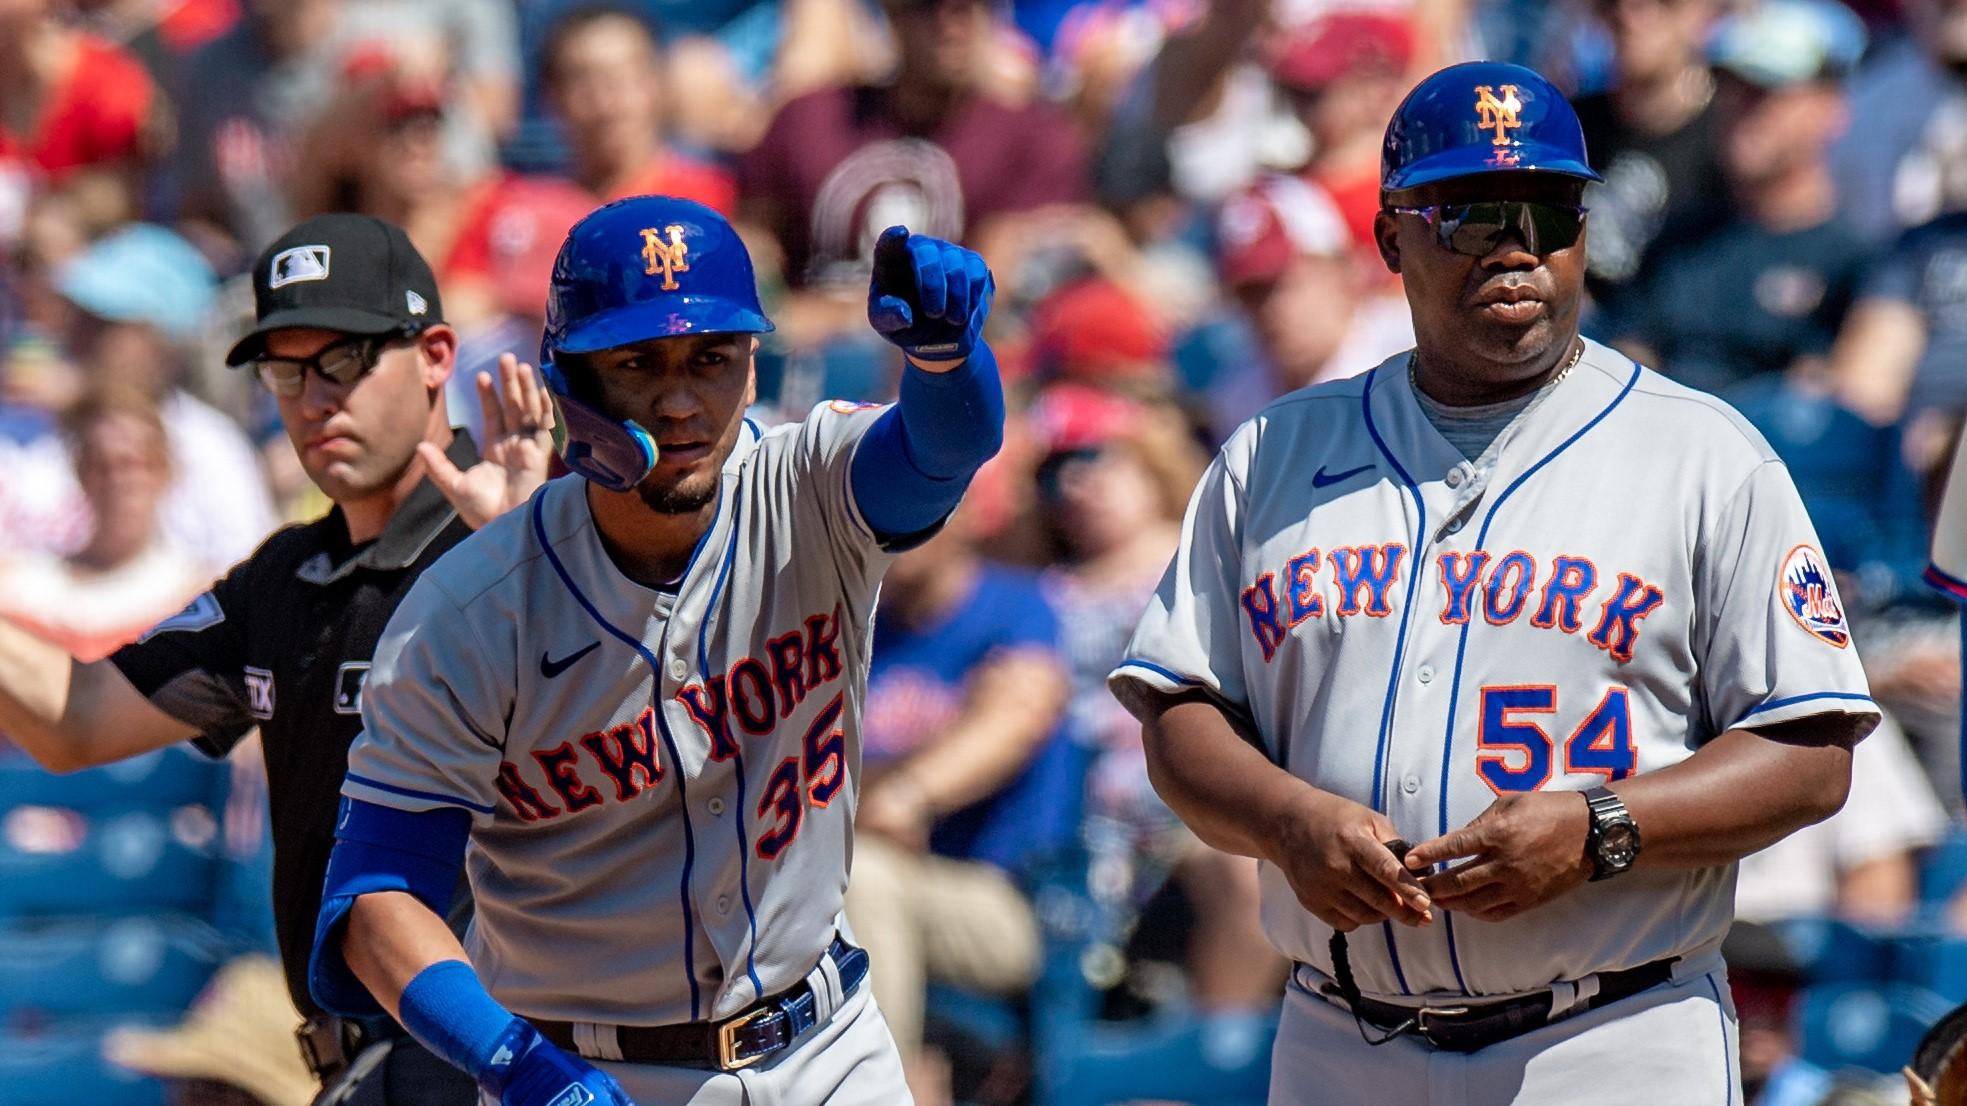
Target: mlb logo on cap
point(351, 274)
point(298, 263)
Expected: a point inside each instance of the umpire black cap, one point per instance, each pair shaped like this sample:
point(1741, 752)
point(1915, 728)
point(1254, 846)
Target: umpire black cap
point(350, 273)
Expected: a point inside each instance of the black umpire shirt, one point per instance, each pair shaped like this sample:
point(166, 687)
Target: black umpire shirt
point(282, 642)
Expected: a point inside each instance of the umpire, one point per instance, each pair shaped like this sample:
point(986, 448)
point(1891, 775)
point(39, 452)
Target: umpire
point(351, 341)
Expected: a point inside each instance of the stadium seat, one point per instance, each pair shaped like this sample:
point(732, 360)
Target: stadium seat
point(1204, 1062)
point(1873, 1027)
point(125, 863)
point(161, 780)
point(105, 966)
point(1827, 950)
point(65, 1067)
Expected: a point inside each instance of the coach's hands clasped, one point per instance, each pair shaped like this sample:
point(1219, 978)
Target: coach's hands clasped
point(1333, 851)
point(1522, 852)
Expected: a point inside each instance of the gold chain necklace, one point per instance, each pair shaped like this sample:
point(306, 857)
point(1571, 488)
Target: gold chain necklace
point(1577, 353)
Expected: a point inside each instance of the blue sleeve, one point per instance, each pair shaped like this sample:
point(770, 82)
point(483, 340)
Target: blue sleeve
point(378, 848)
point(915, 462)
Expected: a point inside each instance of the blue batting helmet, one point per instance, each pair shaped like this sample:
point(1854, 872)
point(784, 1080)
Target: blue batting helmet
point(1482, 117)
point(637, 269)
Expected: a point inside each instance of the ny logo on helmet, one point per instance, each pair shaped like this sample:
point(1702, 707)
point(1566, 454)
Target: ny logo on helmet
point(667, 258)
point(1497, 115)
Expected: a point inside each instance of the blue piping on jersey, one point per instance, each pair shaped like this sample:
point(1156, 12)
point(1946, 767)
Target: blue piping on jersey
point(1399, 644)
point(1461, 649)
point(1777, 704)
point(1164, 673)
point(1727, 1050)
point(413, 793)
point(662, 723)
point(703, 669)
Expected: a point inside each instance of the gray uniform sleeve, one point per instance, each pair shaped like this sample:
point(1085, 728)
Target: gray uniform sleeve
point(1773, 640)
point(824, 457)
point(1190, 635)
point(433, 712)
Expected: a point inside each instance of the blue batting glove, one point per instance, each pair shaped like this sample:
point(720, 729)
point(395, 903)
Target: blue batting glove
point(529, 1070)
point(928, 296)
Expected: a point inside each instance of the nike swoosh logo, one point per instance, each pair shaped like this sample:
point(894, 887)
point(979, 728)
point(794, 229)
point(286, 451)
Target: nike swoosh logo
point(1320, 480)
point(551, 668)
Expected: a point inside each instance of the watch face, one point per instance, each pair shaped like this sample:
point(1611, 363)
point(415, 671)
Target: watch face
point(1615, 844)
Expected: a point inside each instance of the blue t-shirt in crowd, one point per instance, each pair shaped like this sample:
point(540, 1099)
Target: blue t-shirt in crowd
point(918, 684)
point(1927, 270)
point(1742, 301)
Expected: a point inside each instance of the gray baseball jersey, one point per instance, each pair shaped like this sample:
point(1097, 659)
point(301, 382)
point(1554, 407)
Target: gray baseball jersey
point(1632, 576)
point(662, 784)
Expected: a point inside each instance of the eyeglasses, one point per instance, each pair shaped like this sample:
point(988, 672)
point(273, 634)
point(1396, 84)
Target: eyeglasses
point(1476, 228)
point(343, 362)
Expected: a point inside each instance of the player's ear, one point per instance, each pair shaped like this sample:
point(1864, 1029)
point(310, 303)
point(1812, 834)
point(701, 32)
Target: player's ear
point(1386, 235)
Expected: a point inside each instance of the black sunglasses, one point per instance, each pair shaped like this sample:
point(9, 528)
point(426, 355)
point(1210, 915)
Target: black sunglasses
point(1476, 228)
point(343, 362)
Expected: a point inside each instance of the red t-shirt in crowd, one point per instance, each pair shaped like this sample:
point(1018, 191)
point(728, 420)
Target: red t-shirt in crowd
point(836, 167)
point(513, 225)
point(93, 115)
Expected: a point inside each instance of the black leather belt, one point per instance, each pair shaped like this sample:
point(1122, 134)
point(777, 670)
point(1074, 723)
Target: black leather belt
point(736, 1042)
point(1477, 1025)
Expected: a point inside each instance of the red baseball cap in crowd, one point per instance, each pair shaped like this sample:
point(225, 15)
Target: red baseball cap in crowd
point(1069, 417)
point(1340, 44)
point(1097, 329)
point(1260, 229)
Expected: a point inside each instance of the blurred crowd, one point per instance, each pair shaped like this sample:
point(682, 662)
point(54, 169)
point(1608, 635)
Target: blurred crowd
point(1176, 197)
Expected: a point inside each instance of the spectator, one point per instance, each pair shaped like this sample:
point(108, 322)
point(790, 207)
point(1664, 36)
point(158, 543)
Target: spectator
point(1904, 165)
point(1114, 479)
point(1859, 864)
point(932, 149)
point(1343, 74)
point(469, 47)
point(72, 106)
point(1652, 136)
point(962, 748)
point(1772, 284)
point(1903, 353)
point(125, 578)
point(1290, 266)
point(602, 72)
point(133, 302)
point(245, 99)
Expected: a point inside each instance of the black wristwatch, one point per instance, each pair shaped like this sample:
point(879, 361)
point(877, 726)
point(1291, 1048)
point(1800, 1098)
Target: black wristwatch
point(1612, 841)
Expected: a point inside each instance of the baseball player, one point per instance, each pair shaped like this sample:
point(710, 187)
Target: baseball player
point(638, 698)
point(1513, 597)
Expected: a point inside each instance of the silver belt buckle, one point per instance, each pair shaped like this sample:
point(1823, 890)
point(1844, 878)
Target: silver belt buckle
point(727, 1040)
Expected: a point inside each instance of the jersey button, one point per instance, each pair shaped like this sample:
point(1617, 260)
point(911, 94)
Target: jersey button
point(677, 668)
point(1455, 527)
point(1411, 784)
point(1455, 477)
point(723, 904)
point(1425, 674)
point(716, 804)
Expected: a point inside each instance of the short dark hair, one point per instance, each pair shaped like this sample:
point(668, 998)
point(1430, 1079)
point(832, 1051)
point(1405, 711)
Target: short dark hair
point(580, 18)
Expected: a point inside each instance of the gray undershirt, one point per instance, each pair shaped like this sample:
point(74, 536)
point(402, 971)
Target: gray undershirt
point(1472, 430)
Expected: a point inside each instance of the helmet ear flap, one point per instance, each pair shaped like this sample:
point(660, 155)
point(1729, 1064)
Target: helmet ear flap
point(614, 453)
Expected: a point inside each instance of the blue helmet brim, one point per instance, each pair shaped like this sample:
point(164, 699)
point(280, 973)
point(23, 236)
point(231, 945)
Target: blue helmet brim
point(668, 318)
point(1467, 161)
